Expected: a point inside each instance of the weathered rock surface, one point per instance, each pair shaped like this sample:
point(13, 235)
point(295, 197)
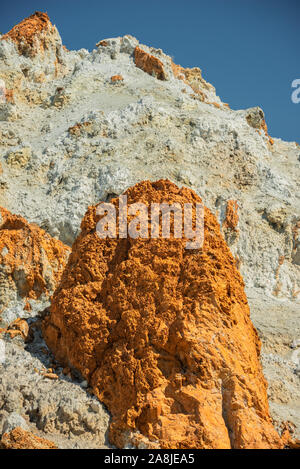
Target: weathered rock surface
point(149, 64)
point(31, 263)
point(70, 136)
point(37, 36)
point(13, 421)
point(163, 334)
point(61, 410)
point(20, 439)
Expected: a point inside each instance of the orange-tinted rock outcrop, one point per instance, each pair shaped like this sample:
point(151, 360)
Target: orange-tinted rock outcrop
point(149, 64)
point(116, 78)
point(33, 261)
point(37, 36)
point(21, 439)
point(163, 335)
point(18, 327)
point(264, 127)
point(232, 215)
point(25, 33)
point(256, 119)
point(193, 78)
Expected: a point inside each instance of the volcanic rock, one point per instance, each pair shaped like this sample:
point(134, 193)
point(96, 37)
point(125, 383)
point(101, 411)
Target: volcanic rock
point(19, 327)
point(149, 63)
point(31, 261)
point(163, 334)
point(232, 216)
point(21, 439)
point(32, 35)
point(13, 421)
point(116, 78)
point(193, 77)
point(70, 137)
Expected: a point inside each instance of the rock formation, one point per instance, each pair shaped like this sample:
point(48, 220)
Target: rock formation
point(78, 127)
point(149, 64)
point(232, 217)
point(31, 261)
point(40, 55)
point(37, 37)
point(27, 34)
point(21, 439)
point(163, 334)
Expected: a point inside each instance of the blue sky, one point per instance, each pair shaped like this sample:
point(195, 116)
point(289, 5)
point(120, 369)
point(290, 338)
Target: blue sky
point(248, 49)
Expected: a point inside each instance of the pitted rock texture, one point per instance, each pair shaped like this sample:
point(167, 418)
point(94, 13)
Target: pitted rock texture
point(37, 37)
point(60, 410)
point(193, 78)
point(232, 215)
point(149, 64)
point(21, 439)
point(41, 57)
point(31, 261)
point(163, 334)
point(256, 119)
point(28, 31)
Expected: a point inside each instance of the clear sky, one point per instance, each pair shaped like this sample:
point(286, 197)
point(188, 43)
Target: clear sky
point(248, 49)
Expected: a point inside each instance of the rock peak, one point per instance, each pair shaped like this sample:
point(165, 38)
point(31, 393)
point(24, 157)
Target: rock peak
point(28, 33)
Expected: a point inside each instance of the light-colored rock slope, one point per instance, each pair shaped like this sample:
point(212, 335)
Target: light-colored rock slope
point(70, 136)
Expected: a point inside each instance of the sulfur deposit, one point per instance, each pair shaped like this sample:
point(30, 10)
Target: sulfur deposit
point(163, 334)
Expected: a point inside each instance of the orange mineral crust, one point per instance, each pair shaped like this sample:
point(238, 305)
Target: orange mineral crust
point(163, 335)
point(149, 64)
point(25, 33)
point(33, 260)
point(21, 439)
point(116, 78)
point(232, 215)
point(193, 78)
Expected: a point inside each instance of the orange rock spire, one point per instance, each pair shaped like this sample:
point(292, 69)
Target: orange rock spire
point(163, 335)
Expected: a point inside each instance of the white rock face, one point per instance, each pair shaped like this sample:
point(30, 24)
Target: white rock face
point(73, 137)
point(2, 92)
point(12, 421)
point(2, 352)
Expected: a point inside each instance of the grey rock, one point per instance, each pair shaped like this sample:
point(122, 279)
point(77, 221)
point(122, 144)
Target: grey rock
point(12, 421)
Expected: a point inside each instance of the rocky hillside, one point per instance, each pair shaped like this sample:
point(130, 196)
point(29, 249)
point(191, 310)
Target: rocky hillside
point(80, 127)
